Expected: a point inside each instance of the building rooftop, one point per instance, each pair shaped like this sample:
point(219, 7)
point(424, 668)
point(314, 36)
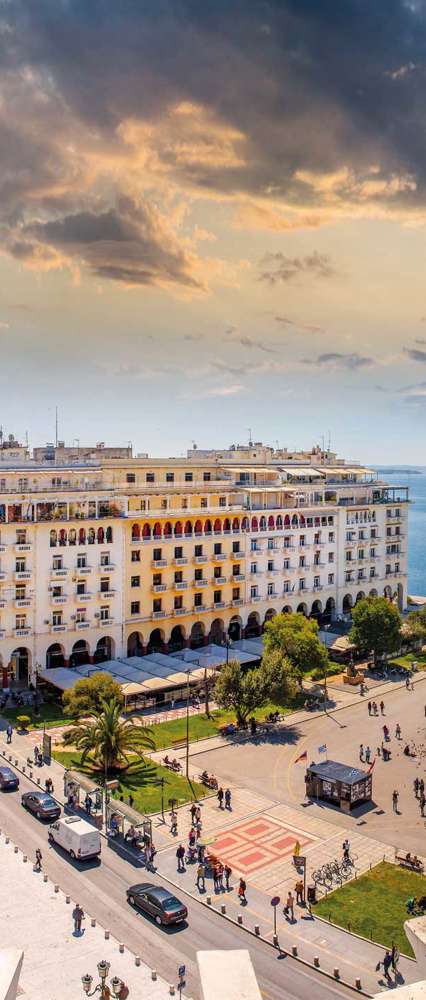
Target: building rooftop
point(331, 770)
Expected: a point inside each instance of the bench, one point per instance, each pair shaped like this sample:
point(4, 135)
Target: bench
point(412, 866)
point(178, 744)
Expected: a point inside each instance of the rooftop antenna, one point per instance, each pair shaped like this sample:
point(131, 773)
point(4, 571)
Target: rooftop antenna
point(56, 426)
point(329, 440)
point(250, 437)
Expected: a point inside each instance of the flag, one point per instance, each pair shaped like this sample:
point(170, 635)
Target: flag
point(371, 766)
point(323, 748)
point(303, 756)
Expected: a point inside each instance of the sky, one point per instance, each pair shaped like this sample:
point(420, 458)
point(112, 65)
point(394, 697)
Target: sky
point(213, 223)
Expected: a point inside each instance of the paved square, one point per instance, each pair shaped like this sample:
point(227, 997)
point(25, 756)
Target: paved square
point(258, 844)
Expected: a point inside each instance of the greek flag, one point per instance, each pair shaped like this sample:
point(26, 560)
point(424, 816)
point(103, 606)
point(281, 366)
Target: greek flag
point(323, 748)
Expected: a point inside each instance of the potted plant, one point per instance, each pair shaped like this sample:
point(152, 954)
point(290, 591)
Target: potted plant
point(24, 721)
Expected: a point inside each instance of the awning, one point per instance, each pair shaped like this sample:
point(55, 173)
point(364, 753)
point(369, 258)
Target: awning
point(300, 470)
point(131, 688)
point(342, 645)
point(345, 470)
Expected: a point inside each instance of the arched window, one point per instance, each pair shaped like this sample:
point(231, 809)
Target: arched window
point(178, 529)
point(101, 536)
point(236, 524)
point(279, 522)
point(82, 536)
point(245, 524)
point(146, 531)
point(271, 522)
point(80, 654)
point(198, 530)
point(254, 524)
point(294, 521)
point(108, 535)
point(167, 529)
point(53, 538)
point(227, 524)
point(91, 536)
point(136, 532)
point(135, 645)
point(263, 523)
point(157, 530)
point(217, 526)
point(208, 528)
point(302, 521)
point(287, 521)
point(55, 656)
point(188, 528)
point(72, 537)
point(62, 537)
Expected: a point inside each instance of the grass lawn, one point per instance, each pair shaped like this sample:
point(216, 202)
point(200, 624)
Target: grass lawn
point(375, 904)
point(140, 779)
point(408, 659)
point(166, 733)
point(50, 715)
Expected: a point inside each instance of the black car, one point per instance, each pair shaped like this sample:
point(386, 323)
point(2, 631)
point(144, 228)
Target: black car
point(41, 804)
point(8, 779)
point(158, 902)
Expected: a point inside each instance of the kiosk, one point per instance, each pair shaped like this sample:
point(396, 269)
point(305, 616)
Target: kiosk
point(344, 786)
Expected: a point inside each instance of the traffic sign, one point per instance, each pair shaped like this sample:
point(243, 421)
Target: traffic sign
point(275, 901)
point(182, 970)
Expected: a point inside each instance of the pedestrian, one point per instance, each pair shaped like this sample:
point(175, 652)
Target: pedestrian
point(361, 752)
point(421, 786)
point(242, 887)
point(422, 804)
point(369, 707)
point(367, 755)
point(131, 800)
point(36, 752)
point(173, 823)
point(345, 848)
point(78, 916)
point(193, 812)
point(416, 784)
point(387, 962)
point(227, 873)
point(394, 957)
point(395, 797)
point(88, 803)
point(398, 731)
point(228, 798)
point(38, 860)
point(375, 712)
point(192, 837)
point(180, 854)
point(198, 814)
point(220, 797)
point(407, 682)
point(216, 878)
point(385, 733)
point(382, 707)
point(220, 875)
point(9, 732)
point(198, 829)
point(299, 892)
point(289, 907)
point(201, 877)
point(411, 685)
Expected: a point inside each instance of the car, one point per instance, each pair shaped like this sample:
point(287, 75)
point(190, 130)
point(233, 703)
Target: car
point(41, 804)
point(9, 781)
point(158, 902)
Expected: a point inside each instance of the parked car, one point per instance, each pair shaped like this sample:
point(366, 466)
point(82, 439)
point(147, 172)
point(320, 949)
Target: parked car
point(9, 781)
point(158, 902)
point(41, 804)
point(76, 836)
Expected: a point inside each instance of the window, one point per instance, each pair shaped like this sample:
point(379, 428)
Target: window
point(253, 545)
point(253, 568)
point(373, 533)
point(302, 584)
point(170, 477)
point(198, 575)
point(80, 615)
point(270, 565)
point(317, 559)
point(348, 577)
point(198, 550)
point(206, 477)
point(198, 600)
point(135, 581)
point(81, 587)
point(130, 477)
point(177, 603)
point(235, 593)
point(81, 562)
point(331, 536)
point(222, 501)
point(235, 546)
point(331, 557)
point(178, 552)
point(57, 562)
point(270, 543)
point(361, 534)
point(156, 554)
point(372, 572)
point(236, 569)
point(184, 503)
point(57, 618)
point(136, 555)
point(188, 477)
point(360, 553)
point(104, 615)
point(217, 596)
point(286, 587)
point(396, 567)
point(20, 592)
point(286, 564)
point(348, 556)
point(287, 541)
point(253, 592)
point(302, 540)
point(203, 502)
point(372, 553)
point(57, 590)
point(388, 568)
point(316, 581)
point(163, 503)
point(348, 536)
point(271, 589)
point(217, 572)
point(150, 477)
point(301, 561)
point(331, 578)
point(105, 559)
point(157, 605)
point(135, 608)
point(20, 621)
point(157, 580)
point(218, 548)
point(179, 576)
point(20, 565)
point(104, 588)
point(21, 537)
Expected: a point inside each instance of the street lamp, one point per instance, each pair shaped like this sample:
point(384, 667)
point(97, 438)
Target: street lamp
point(187, 722)
point(228, 643)
point(102, 988)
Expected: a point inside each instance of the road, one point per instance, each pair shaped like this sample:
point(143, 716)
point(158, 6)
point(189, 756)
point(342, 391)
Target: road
point(100, 889)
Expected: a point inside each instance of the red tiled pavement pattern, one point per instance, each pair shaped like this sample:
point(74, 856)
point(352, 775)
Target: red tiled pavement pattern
point(257, 844)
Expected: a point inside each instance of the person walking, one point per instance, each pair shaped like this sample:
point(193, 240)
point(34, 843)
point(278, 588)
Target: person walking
point(198, 815)
point(289, 907)
point(242, 888)
point(361, 752)
point(367, 755)
point(416, 784)
point(387, 962)
point(227, 873)
point(173, 823)
point(201, 878)
point(193, 812)
point(382, 707)
point(192, 837)
point(398, 731)
point(394, 957)
point(228, 798)
point(422, 804)
point(220, 797)
point(131, 800)
point(299, 892)
point(216, 878)
point(395, 797)
point(369, 707)
point(9, 732)
point(407, 682)
point(220, 875)
point(38, 860)
point(180, 854)
point(88, 803)
point(78, 916)
point(421, 786)
point(375, 712)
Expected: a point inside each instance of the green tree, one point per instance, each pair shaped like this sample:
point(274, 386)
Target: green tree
point(415, 626)
point(89, 694)
point(376, 625)
point(241, 692)
point(107, 739)
point(296, 639)
point(278, 677)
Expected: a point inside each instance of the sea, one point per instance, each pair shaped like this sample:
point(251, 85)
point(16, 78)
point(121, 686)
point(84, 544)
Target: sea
point(415, 479)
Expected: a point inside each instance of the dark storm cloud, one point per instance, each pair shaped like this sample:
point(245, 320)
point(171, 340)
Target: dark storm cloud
point(276, 267)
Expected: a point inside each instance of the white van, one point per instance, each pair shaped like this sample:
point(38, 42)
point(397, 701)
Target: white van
point(76, 836)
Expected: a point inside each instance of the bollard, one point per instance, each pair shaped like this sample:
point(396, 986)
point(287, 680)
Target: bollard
point(171, 990)
point(209, 900)
point(153, 975)
point(38, 781)
point(106, 935)
point(10, 757)
point(240, 918)
point(275, 940)
point(294, 950)
point(31, 774)
point(137, 960)
point(24, 857)
point(56, 888)
point(316, 961)
point(16, 762)
point(223, 908)
point(93, 922)
point(257, 929)
point(121, 948)
point(336, 973)
point(45, 878)
point(24, 769)
point(358, 984)
point(67, 899)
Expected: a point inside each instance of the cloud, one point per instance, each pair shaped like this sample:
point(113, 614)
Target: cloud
point(232, 334)
point(419, 340)
point(4, 325)
point(277, 267)
point(415, 355)
point(309, 327)
point(334, 359)
point(219, 392)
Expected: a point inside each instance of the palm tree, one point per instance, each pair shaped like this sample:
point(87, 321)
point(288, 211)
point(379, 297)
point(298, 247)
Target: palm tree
point(107, 738)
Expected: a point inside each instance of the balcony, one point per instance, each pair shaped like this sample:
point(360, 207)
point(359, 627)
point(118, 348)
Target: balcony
point(107, 618)
point(180, 585)
point(158, 614)
point(2, 548)
point(273, 572)
point(83, 570)
point(106, 567)
point(159, 588)
point(3, 576)
point(23, 547)
point(199, 608)
point(24, 575)
point(23, 602)
point(3, 604)
point(58, 572)
point(182, 561)
point(256, 597)
point(271, 597)
point(317, 586)
point(81, 625)
point(59, 600)
point(218, 605)
point(216, 580)
point(59, 628)
point(258, 572)
point(20, 632)
point(159, 562)
point(200, 559)
point(219, 556)
point(236, 555)
point(180, 611)
point(238, 577)
point(238, 603)
point(82, 598)
point(106, 594)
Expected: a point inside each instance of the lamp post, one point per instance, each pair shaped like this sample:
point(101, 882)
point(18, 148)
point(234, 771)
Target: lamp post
point(228, 643)
point(105, 991)
point(187, 723)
